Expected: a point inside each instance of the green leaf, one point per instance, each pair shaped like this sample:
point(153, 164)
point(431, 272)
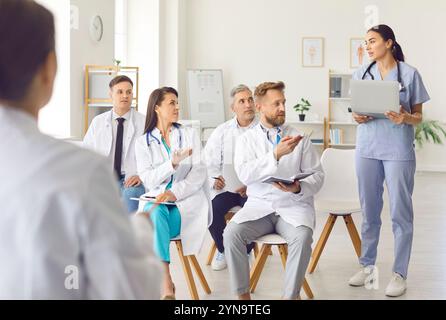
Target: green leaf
point(429, 131)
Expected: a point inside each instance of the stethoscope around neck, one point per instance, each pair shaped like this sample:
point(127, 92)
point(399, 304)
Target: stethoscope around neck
point(279, 132)
point(367, 71)
point(180, 136)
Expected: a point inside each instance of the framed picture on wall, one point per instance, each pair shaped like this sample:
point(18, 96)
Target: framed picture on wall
point(357, 52)
point(312, 52)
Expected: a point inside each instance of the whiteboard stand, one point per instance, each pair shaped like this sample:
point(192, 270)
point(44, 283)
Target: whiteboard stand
point(206, 97)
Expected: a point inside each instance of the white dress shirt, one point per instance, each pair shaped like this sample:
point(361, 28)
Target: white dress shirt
point(219, 149)
point(64, 233)
point(254, 161)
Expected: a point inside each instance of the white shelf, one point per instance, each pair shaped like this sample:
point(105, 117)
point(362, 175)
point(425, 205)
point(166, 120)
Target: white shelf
point(103, 105)
point(309, 123)
point(339, 99)
point(339, 123)
point(340, 74)
point(121, 71)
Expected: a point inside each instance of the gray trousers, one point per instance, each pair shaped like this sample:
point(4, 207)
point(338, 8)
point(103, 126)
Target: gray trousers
point(237, 236)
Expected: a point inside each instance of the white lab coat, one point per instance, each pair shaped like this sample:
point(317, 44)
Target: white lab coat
point(99, 138)
point(189, 181)
point(61, 216)
point(254, 161)
point(219, 150)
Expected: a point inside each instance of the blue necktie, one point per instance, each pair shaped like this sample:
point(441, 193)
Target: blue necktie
point(278, 138)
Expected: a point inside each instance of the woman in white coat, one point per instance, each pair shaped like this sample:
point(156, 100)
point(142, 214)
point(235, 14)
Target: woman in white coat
point(169, 164)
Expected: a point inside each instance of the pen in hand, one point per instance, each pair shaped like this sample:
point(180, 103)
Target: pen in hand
point(219, 182)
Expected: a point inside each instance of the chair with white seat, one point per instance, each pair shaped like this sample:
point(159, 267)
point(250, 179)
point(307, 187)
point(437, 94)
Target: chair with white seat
point(267, 241)
point(338, 197)
point(185, 262)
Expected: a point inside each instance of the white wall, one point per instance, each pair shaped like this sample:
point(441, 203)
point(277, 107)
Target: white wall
point(121, 25)
point(259, 40)
point(55, 117)
point(86, 51)
point(143, 28)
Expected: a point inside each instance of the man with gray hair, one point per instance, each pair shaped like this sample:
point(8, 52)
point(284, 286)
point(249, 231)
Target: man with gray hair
point(226, 190)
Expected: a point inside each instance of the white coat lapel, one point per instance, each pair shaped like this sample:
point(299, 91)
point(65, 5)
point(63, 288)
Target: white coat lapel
point(130, 132)
point(108, 132)
point(263, 140)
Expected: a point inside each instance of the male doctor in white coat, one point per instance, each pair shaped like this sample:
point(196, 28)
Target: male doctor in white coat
point(64, 234)
point(114, 133)
point(273, 149)
point(219, 153)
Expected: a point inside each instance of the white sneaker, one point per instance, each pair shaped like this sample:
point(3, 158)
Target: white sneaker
point(358, 280)
point(397, 286)
point(219, 262)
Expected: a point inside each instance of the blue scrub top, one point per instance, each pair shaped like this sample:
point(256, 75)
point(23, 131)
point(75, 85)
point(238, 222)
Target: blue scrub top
point(169, 185)
point(382, 139)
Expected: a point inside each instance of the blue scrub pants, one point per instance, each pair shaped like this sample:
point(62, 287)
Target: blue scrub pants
point(399, 178)
point(166, 221)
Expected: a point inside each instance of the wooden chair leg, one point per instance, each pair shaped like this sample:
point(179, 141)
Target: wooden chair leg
point(211, 253)
point(259, 263)
point(283, 249)
point(353, 234)
point(322, 241)
point(307, 289)
point(187, 271)
point(256, 250)
point(200, 274)
point(283, 253)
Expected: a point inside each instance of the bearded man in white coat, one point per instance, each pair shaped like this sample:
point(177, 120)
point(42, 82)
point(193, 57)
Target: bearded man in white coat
point(273, 149)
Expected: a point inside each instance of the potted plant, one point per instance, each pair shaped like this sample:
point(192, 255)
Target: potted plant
point(302, 106)
point(429, 131)
point(117, 62)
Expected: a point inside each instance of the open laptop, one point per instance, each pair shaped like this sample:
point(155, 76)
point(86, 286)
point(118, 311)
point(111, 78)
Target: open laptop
point(373, 98)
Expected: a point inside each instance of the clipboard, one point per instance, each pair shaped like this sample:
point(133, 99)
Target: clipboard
point(152, 200)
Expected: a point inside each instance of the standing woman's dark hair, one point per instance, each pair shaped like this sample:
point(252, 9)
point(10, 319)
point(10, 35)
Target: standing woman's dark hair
point(155, 99)
point(25, 49)
point(387, 34)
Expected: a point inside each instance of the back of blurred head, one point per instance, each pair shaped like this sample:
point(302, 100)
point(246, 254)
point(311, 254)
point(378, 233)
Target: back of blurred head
point(27, 55)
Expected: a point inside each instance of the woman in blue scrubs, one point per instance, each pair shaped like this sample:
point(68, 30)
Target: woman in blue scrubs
point(385, 152)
